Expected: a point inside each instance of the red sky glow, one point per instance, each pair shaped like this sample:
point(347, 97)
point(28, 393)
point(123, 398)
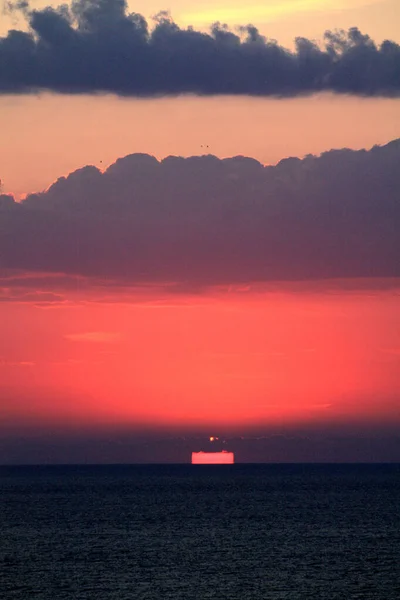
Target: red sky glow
point(223, 359)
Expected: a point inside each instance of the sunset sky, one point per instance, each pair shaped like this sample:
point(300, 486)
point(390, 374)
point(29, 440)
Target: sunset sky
point(149, 302)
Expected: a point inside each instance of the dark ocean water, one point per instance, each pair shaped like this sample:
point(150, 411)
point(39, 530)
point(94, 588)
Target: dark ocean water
point(241, 532)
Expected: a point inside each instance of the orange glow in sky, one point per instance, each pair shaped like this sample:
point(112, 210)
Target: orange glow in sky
point(265, 129)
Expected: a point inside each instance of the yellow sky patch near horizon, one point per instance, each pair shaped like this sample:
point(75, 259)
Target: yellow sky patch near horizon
point(282, 20)
point(271, 10)
point(198, 12)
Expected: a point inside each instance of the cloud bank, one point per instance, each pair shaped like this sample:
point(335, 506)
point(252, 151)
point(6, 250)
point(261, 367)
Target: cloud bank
point(98, 46)
point(204, 221)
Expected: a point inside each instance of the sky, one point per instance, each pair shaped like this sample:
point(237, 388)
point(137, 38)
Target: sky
point(198, 231)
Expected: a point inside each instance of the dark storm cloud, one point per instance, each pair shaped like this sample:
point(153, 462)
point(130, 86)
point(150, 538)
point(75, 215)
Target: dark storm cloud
point(204, 221)
point(97, 46)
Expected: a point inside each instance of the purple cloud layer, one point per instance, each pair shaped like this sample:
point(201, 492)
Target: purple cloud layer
point(204, 221)
point(98, 46)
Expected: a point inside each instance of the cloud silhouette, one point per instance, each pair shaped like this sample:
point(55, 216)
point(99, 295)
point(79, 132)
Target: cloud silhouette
point(98, 46)
point(200, 221)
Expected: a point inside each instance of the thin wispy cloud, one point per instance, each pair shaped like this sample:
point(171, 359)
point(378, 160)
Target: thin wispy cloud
point(102, 337)
point(392, 351)
point(17, 363)
point(21, 296)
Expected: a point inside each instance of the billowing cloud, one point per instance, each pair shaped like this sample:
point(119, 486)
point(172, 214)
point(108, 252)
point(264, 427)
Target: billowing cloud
point(200, 221)
point(98, 46)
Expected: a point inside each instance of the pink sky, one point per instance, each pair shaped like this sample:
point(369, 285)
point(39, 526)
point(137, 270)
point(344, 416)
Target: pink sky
point(218, 362)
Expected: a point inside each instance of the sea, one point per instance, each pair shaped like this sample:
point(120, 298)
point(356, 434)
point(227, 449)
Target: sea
point(200, 532)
